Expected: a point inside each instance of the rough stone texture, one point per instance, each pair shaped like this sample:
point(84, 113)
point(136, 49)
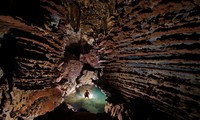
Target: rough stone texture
point(154, 55)
point(29, 104)
point(62, 113)
point(87, 78)
point(40, 47)
point(148, 50)
point(117, 111)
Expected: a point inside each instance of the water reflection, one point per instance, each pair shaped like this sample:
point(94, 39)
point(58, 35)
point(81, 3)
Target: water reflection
point(94, 104)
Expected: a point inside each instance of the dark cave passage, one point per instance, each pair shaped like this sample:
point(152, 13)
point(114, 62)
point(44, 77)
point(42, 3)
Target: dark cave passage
point(62, 113)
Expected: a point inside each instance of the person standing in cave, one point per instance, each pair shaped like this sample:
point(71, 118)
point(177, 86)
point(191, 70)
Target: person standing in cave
point(87, 94)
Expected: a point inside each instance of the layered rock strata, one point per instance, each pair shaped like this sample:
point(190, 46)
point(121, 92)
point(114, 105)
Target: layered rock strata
point(149, 50)
point(152, 52)
point(40, 56)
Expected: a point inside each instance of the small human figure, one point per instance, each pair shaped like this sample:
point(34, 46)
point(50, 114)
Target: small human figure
point(87, 94)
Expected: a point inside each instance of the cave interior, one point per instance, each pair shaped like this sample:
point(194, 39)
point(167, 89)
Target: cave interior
point(138, 59)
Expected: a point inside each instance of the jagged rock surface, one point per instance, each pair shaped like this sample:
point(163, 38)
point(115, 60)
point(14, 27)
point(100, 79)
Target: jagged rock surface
point(148, 50)
point(40, 55)
point(152, 52)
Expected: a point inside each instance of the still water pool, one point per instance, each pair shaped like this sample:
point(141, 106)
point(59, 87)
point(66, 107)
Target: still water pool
point(94, 104)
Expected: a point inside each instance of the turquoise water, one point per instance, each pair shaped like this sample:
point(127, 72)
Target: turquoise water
point(95, 103)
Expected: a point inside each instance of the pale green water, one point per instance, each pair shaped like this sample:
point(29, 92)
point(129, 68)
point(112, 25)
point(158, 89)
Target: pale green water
point(95, 103)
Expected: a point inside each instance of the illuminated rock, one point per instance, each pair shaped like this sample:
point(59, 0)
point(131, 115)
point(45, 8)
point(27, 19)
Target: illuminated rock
point(148, 50)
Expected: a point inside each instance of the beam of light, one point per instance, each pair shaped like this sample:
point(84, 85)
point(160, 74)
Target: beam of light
point(95, 103)
point(91, 96)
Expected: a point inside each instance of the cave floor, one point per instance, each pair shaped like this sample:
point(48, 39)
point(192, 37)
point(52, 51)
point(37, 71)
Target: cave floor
point(94, 104)
point(63, 113)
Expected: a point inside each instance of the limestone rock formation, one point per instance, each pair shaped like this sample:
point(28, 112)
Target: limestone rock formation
point(154, 55)
point(133, 50)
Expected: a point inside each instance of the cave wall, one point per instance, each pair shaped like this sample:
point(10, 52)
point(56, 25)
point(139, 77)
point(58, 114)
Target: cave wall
point(152, 53)
point(46, 51)
point(146, 49)
point(38, 68)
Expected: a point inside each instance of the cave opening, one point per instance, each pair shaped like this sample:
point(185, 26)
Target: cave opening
point(94, 103)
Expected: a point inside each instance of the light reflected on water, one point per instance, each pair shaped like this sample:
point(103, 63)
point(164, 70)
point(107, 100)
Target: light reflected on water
point(94, 104)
